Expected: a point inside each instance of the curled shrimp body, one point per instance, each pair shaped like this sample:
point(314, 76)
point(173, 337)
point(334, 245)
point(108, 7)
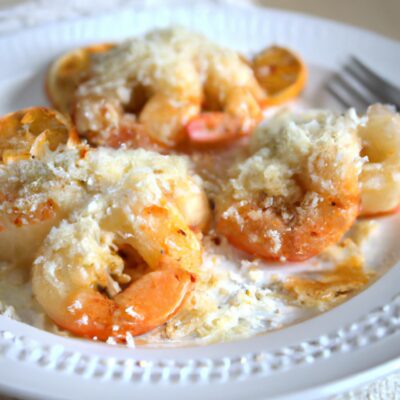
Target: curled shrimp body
point(380, 178)
point(83, 283)
point(38, 193)
point(167, 78)
point(298, 191)
point(173, 176)
point(72, 208)
point(33, 200)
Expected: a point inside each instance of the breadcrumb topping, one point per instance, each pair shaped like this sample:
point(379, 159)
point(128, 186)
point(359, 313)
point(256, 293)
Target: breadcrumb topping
point(299, 166)
point(171, 61)
point(37, 194)
point(318, 145)
point(234, 296)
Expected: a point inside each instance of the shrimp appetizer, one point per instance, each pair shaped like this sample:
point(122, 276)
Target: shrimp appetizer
point(113, 235)
point(180, 86)
point(380, 178)
point(298, 192)
point(117, 240)
point(80, 277)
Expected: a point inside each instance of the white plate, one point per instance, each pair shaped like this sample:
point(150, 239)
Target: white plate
point(345, 347)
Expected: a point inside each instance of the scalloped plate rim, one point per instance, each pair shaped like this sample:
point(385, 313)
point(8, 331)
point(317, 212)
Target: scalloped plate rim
point(239, 347)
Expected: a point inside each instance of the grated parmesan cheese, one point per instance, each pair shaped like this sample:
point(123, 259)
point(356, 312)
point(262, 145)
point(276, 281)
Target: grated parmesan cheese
point(38, 194)
point(318, 145)
point(171, 61)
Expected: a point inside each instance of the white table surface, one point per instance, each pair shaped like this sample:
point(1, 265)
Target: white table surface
point(381, 16)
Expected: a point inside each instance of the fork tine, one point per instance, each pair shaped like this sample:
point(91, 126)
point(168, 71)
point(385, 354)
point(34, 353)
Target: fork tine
point(379, 87)
point(370, 73)
point(338, 96)
point(345, 93)
point(360, 84)
point(350, 89)
point(371, 86)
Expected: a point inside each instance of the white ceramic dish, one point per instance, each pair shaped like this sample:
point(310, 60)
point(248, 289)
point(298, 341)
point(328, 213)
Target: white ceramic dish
point(356, 342)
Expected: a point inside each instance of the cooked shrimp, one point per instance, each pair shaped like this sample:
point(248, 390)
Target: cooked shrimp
point(298, 192)
point(130, 135)
point(380, 178)
point(78, 274)
point(34, 198)
point(166, 79)
point(38, 193)
point(191, 200)
point(173, 176)
point(27, 209)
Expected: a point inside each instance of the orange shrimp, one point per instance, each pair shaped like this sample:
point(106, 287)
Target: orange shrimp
point(79, 279)
point(38, 193)
point(23, 228)
point(298, 193)
point(166, 97)
point(181, 88)
point(380, 177)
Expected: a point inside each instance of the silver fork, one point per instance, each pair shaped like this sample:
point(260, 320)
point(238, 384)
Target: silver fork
point(359, 86)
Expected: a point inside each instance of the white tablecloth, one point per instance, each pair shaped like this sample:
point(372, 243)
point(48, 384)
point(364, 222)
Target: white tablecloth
point(380, 15)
